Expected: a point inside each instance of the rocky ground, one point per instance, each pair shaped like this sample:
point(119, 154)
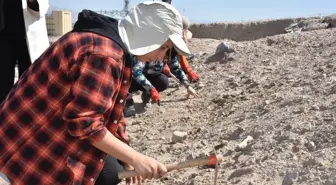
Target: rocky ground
point(278, 90)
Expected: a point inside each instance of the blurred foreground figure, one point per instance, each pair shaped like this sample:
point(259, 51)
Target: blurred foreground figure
point(23, 38)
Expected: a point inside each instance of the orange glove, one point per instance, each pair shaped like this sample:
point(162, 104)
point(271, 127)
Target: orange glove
point(193, 77)
point(155, 95)
point(166, 70)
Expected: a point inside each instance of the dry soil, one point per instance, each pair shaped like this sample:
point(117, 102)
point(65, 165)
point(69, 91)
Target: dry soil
point(279, 90)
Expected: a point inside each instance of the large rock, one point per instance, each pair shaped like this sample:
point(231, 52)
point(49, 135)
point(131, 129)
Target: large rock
point(224, 47)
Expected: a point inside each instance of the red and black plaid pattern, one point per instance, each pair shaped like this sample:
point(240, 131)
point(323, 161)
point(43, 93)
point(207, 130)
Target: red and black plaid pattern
point(66, 100)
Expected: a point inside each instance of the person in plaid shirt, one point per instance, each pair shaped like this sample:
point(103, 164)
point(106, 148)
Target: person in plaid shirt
point(62, 123)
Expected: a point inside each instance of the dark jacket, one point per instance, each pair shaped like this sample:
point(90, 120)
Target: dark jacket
point(12, 24)
point(2, 18)
point(89, 21)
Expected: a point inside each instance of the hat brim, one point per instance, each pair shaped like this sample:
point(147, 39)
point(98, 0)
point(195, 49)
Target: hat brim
point(179, 44)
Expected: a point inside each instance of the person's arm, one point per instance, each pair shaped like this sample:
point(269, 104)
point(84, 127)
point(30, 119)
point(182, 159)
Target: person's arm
point(118, 149)
point(92, 93)
point(176, 70)
point(192, 76)
point(145, 166)
point(137, 74)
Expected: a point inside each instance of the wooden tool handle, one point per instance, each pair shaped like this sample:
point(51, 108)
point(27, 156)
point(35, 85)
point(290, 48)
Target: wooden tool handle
point(211, 160)
point(174, 77)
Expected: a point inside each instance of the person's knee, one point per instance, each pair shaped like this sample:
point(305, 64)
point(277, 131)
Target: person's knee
point(162, 83)
point(109, 173)
point(107, 178)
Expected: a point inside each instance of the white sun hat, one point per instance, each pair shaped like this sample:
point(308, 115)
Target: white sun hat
point(149, 25)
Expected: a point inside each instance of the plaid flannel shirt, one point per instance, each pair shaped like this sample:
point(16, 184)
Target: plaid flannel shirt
point(65, 101)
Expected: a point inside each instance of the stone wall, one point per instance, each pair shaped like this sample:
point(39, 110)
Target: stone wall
point(244, 31)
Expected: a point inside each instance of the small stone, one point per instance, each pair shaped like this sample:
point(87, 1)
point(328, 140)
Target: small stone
point(270, 41)
point(295, 149)
point(163, 150)
point(204, 142)
point(203, 154)
point(323, 107)
point(221, 145)
point(243, 158)
point(228, 164)
point(200, 85)
point(200, 54)
point(328, 182)
point(224, 48)
point(179, 136)
point(225, 142)
point(315, 107)
point(236, 181)
point(136, 123)
point(298, 110)
point(264, 158)
point(240, 172)
point(190, 157)
point(239, 119)
point(228, 153)
point(310, 146)
point(290, 178)
point(161, 111)
point(266, 60)
point(295, 158)
point(236, 134)
point(243, 144)
point(328, 119)
point(287, 181)
point(310, 162)
point(192, 176)
point(191, 182)
point(288, 127)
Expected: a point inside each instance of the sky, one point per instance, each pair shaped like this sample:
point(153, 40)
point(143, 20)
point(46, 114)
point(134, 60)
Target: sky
point(199, 11)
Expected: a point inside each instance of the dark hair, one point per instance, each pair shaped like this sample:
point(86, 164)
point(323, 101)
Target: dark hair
point(167, 1)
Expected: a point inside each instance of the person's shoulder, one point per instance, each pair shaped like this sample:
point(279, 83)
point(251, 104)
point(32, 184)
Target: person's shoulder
point(104, 46)
point(92, 43)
